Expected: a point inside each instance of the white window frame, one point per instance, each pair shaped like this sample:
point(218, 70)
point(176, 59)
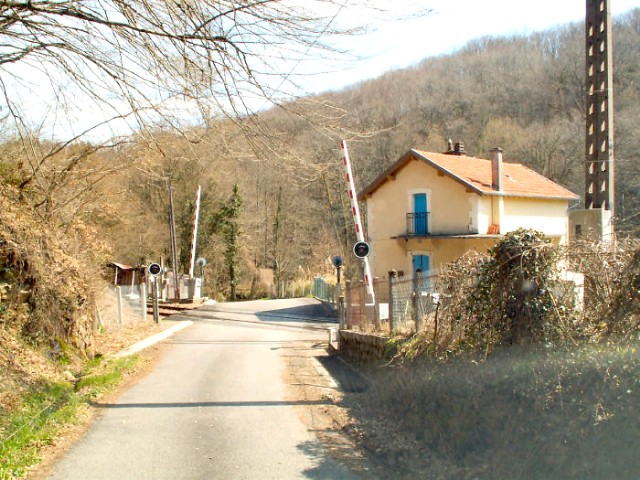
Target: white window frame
point(410, 207)
point(411, 193)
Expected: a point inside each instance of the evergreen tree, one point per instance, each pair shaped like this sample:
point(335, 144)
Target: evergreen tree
point(229, 216)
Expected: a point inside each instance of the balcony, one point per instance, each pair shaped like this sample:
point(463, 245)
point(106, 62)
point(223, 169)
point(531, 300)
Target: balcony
point(417, 224)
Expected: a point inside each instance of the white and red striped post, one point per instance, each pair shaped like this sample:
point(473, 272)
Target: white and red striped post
point(355, 209)
point(196, 216)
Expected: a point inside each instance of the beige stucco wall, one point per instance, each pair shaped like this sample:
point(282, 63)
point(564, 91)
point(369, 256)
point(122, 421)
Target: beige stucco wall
point(547, 216)
point(397, 254)
point(387, 254)
point(444, 250)
point(448, 203)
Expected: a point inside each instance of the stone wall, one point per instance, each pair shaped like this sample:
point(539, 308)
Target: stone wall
point(361, 346)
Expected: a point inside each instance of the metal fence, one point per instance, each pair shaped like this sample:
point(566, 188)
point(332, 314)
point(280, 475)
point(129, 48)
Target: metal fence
point(360, 312)
point(325, 292)
point(291, 289)
point(122, 305)
point(401, 304)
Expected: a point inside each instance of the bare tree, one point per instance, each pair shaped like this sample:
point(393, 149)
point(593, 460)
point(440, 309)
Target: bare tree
point(97, 69)
point(145, 61)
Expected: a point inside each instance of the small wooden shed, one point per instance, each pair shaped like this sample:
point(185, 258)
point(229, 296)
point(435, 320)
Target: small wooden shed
point(127, 275)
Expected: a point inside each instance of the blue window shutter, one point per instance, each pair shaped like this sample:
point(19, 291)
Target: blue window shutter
point(420, 213)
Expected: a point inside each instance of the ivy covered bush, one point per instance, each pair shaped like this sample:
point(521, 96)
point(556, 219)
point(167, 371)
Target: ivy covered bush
point(518, 293)
point(512, 300)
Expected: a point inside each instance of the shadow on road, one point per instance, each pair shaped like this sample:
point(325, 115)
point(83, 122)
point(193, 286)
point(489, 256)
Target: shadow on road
point(333, 466)
point(232, 342)
point(275, 311)
point(258, 403)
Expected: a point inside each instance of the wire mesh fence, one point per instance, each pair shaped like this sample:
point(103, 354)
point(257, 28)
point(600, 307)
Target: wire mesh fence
point(122, 305)
point(399, 305)
point(414, 301)
point(324, 291)
point(361, 312)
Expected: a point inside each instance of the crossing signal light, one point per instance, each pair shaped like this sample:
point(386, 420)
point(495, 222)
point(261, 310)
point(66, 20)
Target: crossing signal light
point(361, 249)
point(154, 269)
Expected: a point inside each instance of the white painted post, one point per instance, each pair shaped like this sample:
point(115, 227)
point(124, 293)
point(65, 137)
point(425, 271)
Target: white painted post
point(196, 216)
point(120, 307)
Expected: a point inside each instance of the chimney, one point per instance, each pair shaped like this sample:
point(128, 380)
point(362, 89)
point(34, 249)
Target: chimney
point(457, 149)
point(496, 168)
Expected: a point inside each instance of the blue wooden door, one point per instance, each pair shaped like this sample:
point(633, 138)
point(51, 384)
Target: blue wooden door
point(421, 264)
point(420, 213)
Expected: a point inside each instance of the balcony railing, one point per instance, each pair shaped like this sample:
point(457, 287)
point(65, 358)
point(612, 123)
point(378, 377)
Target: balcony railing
point(418, 224)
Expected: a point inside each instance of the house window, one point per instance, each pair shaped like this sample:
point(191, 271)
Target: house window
point(418, 208)
point(421, 267)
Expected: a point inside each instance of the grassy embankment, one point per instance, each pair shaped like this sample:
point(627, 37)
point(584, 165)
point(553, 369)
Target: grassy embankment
point(44, 409)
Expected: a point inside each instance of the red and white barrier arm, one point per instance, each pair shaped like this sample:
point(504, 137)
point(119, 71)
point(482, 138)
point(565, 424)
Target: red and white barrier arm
point(355, 209)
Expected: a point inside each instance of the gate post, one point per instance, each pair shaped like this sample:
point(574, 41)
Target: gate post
point(376, 306)
point(363, 313)
point(156, 294)
point(392, 279)
point(417, 301)
point(348, 308)
point(143, 301)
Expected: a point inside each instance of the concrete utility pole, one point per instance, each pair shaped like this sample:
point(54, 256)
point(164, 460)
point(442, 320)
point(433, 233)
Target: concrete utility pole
point(599, 180)
point(595, 221)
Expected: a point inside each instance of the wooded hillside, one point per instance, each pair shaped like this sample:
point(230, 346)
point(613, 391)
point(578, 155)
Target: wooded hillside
point(523, 93)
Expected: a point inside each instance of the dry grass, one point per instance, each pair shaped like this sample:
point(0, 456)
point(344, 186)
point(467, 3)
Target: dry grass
point(525, 413)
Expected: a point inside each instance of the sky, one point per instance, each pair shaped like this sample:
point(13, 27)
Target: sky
point(396, 39)
point(450, 25)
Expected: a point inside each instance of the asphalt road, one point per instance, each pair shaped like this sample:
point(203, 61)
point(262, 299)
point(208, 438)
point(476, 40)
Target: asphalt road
point(215, 406)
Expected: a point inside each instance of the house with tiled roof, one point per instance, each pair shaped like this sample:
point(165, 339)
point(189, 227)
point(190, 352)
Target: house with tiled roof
point(428, 209)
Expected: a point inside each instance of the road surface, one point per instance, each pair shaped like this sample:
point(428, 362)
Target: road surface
point(217, 405)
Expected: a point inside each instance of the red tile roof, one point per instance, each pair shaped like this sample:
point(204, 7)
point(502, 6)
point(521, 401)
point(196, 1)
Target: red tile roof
point(475, 174)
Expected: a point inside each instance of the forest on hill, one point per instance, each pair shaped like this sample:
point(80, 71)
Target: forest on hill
point(277, 176)
point(522, 93)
